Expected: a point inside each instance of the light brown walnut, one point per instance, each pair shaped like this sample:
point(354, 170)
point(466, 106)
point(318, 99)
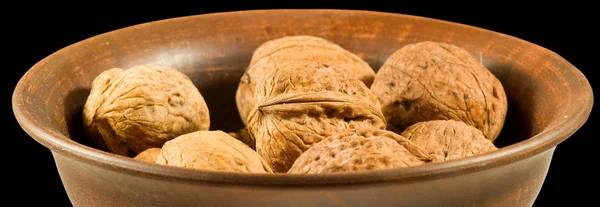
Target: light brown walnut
point(292, 48)
point(301, 103)
point(211, 150)
point(360, 150)
point(148, 155)
point(129, 111)
point(437, 81)
point(448, 139)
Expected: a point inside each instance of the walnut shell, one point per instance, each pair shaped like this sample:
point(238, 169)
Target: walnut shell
point(129, 111)
point(360, 150)
point(448, 139)
point(292, 48)
point(211, 150)
point(148, 155)
point(437, 81)
point(301, 103)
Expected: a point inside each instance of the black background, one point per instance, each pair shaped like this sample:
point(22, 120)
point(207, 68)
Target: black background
point(35, 31)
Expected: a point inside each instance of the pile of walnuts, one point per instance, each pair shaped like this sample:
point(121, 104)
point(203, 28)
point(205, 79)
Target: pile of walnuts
point(309, 106)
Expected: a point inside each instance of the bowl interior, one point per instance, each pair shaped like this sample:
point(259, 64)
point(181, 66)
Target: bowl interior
point(214, 50)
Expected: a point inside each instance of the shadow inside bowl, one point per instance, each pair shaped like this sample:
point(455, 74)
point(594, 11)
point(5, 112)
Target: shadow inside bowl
point(519, 117)
point(73, 113)
point(221, 102)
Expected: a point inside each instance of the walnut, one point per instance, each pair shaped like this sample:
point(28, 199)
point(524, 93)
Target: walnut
point(437, 81)
point(448, 139)
point(211, 150)
point(360, 150)
point(300, 103)
point(148, 155)
point(292, 48)
point(129, 111)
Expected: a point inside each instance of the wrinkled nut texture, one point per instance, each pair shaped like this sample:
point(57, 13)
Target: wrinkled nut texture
point(447, 140)
point(148, 155)
point(129, 111)
point(436, 81)
point(292, 48)
point(211, 150)
point(301, 103)
point(360, 150)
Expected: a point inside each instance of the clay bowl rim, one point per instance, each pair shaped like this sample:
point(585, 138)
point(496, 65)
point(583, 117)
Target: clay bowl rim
point(556, 132)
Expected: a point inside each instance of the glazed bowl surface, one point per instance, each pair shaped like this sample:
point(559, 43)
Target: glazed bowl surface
point(549, 99)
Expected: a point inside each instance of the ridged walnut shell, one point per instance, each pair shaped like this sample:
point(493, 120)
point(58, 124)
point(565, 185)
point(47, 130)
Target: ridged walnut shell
point(448, 139)
point(129, 111)
point(293, 48)
point(211, 150)
point(437, 81)
point(360, 150)
point(301, 103)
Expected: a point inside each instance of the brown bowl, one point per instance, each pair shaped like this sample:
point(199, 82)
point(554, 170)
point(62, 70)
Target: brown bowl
point(549, 99)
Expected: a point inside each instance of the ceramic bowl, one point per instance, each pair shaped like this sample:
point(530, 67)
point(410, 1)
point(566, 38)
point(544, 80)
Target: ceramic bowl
point(549, 99)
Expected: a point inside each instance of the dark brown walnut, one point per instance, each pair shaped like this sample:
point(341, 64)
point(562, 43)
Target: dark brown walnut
point(148, 155)
point(129, 111)
point(360, 150)
point(244, 136)
point(436, 81)
point(292, 48)
point(301, 103)
point(448, 139)
point(211, 150)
